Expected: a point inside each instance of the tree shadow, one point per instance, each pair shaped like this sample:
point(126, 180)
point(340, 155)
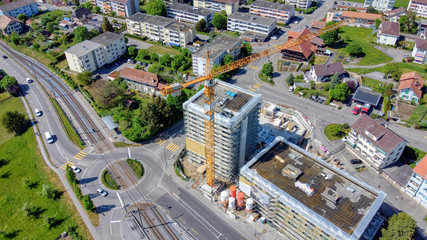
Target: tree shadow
point(340, 44)
point(36, 212)
point(31, 184)
point(87, 180)
point(104, 208)
point(5, 175)
point(4, 162)
point(276, 74)
point(11, 235)
point(56, 222)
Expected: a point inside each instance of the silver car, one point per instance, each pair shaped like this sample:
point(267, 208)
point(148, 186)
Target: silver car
point(102, 192)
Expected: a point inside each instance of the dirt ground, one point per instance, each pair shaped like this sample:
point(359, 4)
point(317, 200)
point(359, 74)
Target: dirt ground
point(190, 171)
point(405, 110)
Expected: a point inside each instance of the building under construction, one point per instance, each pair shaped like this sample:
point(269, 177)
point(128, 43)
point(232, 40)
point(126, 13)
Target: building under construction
point(236, 127)
point(305, 197)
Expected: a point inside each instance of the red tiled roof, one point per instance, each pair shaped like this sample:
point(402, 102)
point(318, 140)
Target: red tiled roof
point(390, 28)
point(361, 15)
point(413, 81)
point(318, 24)
point(421, 167)
point(136, 75)
point(307, 47)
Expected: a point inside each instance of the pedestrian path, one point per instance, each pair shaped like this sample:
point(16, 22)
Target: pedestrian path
point(160, 141)
point(255, 87)
point(64, 166)
point(253, 67)
point(172, 147)
point(79, 156)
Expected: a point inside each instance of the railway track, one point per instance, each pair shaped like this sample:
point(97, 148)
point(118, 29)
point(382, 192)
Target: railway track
point(89, 129)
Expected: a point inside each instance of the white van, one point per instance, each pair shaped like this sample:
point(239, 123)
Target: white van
point(49, 138)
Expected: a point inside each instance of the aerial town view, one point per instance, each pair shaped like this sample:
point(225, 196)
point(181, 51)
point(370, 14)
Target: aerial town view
point(213, 119)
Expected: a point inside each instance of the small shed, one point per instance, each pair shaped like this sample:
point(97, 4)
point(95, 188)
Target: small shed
point(366, 95)
point(109, 122)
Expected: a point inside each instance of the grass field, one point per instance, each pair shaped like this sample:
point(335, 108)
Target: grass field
point(108, 181)
point(329, 135)
point(404, 67)
point(136, 167)
point(419, 113)
point(374, 84)
point(7, 106)
point(361, 36)
point(22, 177)
point(320, 59)
point(397, 3)
point(162, 50)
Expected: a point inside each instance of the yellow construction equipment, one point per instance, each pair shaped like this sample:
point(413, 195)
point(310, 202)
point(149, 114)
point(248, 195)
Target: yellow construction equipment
point(209, 100)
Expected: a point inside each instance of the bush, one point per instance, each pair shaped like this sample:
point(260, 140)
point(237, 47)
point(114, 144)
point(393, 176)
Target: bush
point(50, 192)
point(87, 203)
point(136, 167)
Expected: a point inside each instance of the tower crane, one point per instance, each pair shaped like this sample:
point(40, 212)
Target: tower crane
point(209, 100)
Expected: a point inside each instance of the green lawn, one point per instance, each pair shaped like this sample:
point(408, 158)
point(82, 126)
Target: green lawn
point(374, 84)
point(108, 180)
point(320, 59)
point(397, 3)
point(411, 156)
point(6, 106)
point(361, 37)
point(329, 135)
point(162, 50)
point(418, 113)
point(22, 176)
point(405, 67)
point(136, 167)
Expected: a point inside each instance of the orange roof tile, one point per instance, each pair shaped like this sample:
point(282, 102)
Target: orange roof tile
point(421, 168)
point(318, 24)
point(412, 80)
point(361, 15)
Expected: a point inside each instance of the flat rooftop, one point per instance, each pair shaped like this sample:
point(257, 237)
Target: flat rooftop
point(272, 5)
point(179, 27)
point(329, 192)
point(153, 20)
point(190, 9)
point(81, 49)
point(219, 44)
point(106, 38)
point(246, 17)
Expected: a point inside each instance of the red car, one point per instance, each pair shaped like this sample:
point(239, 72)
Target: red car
point(356, 109)
point(366, 108)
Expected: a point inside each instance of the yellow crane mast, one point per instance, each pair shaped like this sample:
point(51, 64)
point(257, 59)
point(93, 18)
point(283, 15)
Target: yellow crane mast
point(209, 100)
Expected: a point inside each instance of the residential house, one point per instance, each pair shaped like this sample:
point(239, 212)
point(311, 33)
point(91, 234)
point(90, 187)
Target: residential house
point(163, 29)
point(90, 55)
point(27, 7)
point(394, 15)
point(380, 5)
point(281, 12)
point(317, 25)
point(410, 86)
point(366, 96)
point(81, 16)
point(124, 8)
point(324, 72)
point(419, 7)
point(229, 6)
point(374, 143)
point(417, 184)
point(419, 53)
point(186, 13)
point(359, 19)
point(350, 8)
point(242, 22)
point(303, 4)
point(388, 33)
point(303, 50)
point(139, 80)
point(10, 24)
point(221, 46)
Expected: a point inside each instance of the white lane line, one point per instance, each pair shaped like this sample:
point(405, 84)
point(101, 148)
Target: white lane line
point(116, 221)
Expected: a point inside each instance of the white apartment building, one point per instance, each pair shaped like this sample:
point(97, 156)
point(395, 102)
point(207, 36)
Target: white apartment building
point(124, 8)
point(377, 145)
point(419, 53)
point(163, 29)
point(27, 7)
point(90, 55)
point(417, 184)
point(304, 4)
point(281, 12)
point(229, 6)
point(419, 7)
point(242, 22)
point(221, 46)
point(388, 33)
point(380, 5)
point(186, 13)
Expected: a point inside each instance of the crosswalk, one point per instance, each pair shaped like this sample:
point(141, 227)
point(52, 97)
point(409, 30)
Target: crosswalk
point(255, 87)
point(172, 147)
point(79, 156)
point(64, 166)
point(160, 141)
point(253, 67)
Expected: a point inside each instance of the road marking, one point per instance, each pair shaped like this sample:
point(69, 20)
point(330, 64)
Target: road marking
point(70, 163)
point(160, 141)
point(253, 67)
point(116, 221)
point(172, 147)
point(251, 89)
point(194, 231)
point(77, 157)
point(258, 85)
point(63, 166)
point(83, 154)
point(182, 220)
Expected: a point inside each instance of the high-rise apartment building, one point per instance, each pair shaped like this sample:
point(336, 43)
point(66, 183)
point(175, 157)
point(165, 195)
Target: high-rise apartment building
point(124, 8)
point(229, 6)
point(281, 12)
point(236, 128)
point(306, 198)
point(380, 5)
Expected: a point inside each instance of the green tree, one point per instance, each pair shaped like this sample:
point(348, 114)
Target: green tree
point(14, 38)
point(336, 130)
point(22, 17)
point(85, 78)
point(354, 49)
point(106, 25)
point(156, 7)
point(112, 14)
point(142, 54)
point(290, 80)
point(378, 23)
point(15, 122)
point(371, 10)
point(6, 82)
point(393, 70)
point(13, 90)
point(87, 203)
point(34, 26)
point(331, 37)
point(81, 34)
point(339, 92)
point(408, 22)
point(400, 226)
point(165, 60)
point(154, 57)
point(312, 59)
point(88, 6)
point(335, 80)
point(50, 26)
point(76, 2)
point(50, 192)
point(97, 9)
point(178, 61)
point(227, 59)
point(267, 69)
point(247, 49)
point(36, 46)
point(219, 21)
point(201, 25)
point(132, 51)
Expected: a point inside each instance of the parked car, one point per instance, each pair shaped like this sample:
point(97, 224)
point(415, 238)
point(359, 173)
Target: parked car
point(76, 169)
point(291, 89)
point(29, 80)
point(139, 63)
point(366, 108)
point(356, 109)
point(102, 192)
point(132, 61)
point(355, 161)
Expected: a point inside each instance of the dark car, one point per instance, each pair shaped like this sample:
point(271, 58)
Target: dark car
point(355, 161)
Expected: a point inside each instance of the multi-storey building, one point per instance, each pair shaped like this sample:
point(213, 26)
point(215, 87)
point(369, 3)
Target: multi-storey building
point(10, 24)
point(218, 49)
point(417, 184)
point(303, 4)
point(380, 5)
point(419, 7)
point(374, 143)
point(242, 22)
point(186, 13)
point(163, 29)
point(236, 127)
point(229, 6)
point(420, 51)
point(124, 8)
point(281, 12)
point(388, 33)
point(306, 198)
point(90, 55)
point(27, 7)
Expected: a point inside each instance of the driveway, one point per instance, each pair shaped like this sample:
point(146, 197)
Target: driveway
point(138, 43)
point(396, 54)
